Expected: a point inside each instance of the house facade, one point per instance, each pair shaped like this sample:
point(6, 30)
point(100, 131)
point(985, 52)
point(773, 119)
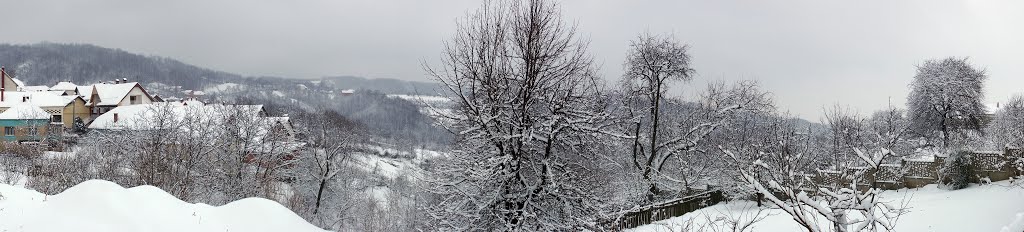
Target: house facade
point(104, 97)
point(24, 123)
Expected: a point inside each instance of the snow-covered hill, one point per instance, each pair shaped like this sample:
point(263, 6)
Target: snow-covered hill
point(98, 205)
point(992, 207)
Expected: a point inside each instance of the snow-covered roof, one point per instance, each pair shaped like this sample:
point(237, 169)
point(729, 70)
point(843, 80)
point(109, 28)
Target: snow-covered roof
point(40, 99)
point(24, 111)
point(64, 86)
point(18, 81)
point(348, 91)
point(85, 91)
point(136, 117)
point(112, 94)
point(35, 88)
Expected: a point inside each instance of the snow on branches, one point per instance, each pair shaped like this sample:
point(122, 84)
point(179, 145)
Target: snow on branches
point(840, 209)
point(530, 120)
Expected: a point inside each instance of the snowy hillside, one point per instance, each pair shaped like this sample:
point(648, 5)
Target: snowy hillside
point(978, 208)
point(98, 205)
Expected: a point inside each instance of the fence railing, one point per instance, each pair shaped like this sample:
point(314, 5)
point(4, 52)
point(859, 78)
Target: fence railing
point(660, 211)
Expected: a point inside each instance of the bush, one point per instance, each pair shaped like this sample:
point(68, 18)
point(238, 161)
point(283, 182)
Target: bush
point(955, 172)
point(21, 150)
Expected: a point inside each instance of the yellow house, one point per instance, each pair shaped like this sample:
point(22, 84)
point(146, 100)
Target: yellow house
point(62, 109)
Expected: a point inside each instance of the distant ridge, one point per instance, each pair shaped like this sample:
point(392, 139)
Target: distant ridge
point(46, 63)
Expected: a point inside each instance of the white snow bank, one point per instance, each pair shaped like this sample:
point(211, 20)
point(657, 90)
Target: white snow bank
point(992, 207)
point(98, 205)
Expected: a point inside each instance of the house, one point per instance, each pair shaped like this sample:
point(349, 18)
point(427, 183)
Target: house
point(104, 97)
point(261, 134)
point(7, 82)
point(62, 109)
point(24, 122)
point(65, 86)
point(282, 128)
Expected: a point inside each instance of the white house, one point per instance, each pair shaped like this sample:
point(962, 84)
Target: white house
point(64, 86)
point(104, 97)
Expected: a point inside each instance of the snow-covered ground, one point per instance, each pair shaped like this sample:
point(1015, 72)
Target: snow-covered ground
point(98, 205)
point(391, 168)
point(428, 99)
point(992, 207)
point(225, 87)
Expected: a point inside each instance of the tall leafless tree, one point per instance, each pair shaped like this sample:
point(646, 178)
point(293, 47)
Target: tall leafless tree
point(652, 64)
point(529, 117)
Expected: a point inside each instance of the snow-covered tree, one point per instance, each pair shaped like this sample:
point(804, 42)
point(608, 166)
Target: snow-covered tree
point(652, 64)
point(530, 122)
point(890, 130)
point(846, 130)
point(1007, 128)
point(684, 133)
point(946, 98)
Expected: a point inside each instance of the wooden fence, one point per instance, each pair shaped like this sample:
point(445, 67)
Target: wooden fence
point(662, 210)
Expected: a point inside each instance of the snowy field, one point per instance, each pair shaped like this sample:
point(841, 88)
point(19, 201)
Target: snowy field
point(98, 205)
point(992, 207)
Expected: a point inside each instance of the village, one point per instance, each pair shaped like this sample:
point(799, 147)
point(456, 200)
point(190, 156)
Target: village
point(46, 113)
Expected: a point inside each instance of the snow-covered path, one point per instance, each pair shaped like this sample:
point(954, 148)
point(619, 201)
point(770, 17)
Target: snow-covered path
point(976, 208)
point(98, 205)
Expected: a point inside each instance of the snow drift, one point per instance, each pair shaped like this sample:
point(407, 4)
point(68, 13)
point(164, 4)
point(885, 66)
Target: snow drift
point(99, 205)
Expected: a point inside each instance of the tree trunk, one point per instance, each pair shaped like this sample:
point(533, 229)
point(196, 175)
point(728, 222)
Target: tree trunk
point(319, 195)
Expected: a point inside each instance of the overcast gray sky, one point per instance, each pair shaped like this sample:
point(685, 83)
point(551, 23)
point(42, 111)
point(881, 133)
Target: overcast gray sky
point(810, 53)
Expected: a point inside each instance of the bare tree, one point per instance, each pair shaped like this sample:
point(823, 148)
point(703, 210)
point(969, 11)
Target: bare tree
point(653, 62)
point(945, 97)
point(691, 125)
point(847, 130)
point(778, 176)
point(529, 120)
point(890, 130)
point(332, 138)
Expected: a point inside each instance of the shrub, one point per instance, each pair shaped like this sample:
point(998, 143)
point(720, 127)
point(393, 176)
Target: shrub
point(955, 172)
point(21, 150)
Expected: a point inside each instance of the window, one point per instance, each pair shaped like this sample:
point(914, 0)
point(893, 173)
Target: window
point(9, 131)
point(133, 99)
point(32, 131)
point(57, 119)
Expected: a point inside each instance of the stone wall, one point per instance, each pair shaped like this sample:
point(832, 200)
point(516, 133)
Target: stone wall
point(986, 167)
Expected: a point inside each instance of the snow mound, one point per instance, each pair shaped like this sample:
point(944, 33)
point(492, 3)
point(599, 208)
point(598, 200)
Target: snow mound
point(98, 205)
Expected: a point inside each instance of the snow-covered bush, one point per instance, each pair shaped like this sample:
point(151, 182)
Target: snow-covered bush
point(955, 172)
point(22, 150)
point(841, 209)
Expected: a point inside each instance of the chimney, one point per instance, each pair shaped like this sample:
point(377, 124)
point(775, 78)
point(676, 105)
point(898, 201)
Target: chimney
point(124, 80)
point(2, 93)
point(115, 117)
point(3, 77)
point(24, 98)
